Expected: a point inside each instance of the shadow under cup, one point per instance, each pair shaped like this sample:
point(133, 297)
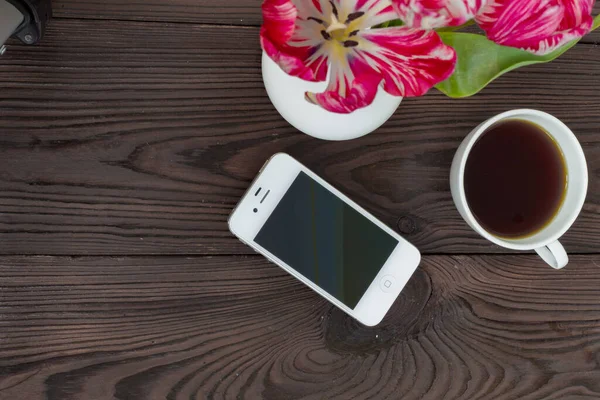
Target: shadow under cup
point(576, 180)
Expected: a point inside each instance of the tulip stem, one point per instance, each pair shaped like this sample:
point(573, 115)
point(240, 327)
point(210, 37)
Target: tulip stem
point(456, 28)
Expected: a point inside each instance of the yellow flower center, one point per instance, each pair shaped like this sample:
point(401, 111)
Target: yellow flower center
point(342, 32)
point(335, 26)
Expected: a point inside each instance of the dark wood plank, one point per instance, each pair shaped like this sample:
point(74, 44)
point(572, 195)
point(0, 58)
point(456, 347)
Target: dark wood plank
point(141, 138)
point(481, 327)
point(234, 12)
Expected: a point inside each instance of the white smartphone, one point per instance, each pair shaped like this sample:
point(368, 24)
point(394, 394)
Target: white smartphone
point(311, 230)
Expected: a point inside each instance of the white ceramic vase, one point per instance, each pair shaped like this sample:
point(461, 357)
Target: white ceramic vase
point(287, 95)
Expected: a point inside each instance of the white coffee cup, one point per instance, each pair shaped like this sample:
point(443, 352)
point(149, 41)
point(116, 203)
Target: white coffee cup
point(545, 242)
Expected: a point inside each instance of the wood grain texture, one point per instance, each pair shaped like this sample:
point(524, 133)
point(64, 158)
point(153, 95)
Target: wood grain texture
point(140, 139)
point(236, 12)
point(233, 12)
point(480, 327)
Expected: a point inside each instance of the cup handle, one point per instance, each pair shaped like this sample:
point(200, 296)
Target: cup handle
point(554, 254)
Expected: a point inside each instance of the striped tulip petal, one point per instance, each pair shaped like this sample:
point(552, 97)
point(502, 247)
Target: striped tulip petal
point(311, 38)
point(537, 26)
point(279, 28)
point(411, 61)
point(431, 14)
point(353, 85)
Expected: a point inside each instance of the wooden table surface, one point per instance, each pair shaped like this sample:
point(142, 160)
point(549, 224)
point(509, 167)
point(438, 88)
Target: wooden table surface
point(127, 137)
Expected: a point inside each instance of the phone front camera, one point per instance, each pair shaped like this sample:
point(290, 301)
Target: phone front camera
point(256, 210)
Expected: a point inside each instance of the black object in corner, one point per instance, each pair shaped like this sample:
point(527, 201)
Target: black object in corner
point(36, 14)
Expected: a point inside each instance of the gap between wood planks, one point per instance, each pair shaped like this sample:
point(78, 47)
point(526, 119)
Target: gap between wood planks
point(254, 256)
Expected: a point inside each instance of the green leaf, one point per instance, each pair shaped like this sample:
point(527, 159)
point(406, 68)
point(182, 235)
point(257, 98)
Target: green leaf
point(480, 61)
point(388, 24)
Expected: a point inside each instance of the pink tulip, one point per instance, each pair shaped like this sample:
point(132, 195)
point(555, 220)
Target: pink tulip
point(538, 26)
point(311, 38)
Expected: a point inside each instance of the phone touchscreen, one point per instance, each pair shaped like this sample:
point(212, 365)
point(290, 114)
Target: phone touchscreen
point(326, 240)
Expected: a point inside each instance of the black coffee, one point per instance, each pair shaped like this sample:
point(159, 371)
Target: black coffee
point(515, 179)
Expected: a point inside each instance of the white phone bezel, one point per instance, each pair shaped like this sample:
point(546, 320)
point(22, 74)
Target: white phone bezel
point(277, 176)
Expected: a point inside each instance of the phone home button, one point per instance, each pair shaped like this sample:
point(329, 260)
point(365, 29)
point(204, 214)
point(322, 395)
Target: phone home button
point(387, 283)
